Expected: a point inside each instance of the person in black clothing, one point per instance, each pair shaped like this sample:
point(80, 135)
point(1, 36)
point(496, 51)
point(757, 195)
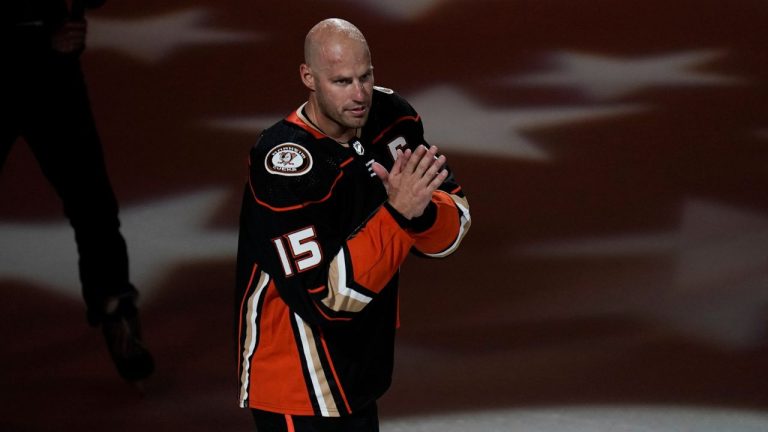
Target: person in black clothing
point(46, 103)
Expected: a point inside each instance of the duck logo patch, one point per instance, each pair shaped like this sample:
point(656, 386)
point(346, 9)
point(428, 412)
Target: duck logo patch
point(288, 159)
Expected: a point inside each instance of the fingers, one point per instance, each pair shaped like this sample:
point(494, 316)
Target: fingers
point(416, 161)
point(381, 173)
point(401, 160)
point(438, 180)
point(422, 166)
point(427, 161)
point(414, 176)
point(430, 166)
point(422, 159)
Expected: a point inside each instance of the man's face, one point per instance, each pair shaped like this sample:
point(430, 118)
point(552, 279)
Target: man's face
point(343, 78)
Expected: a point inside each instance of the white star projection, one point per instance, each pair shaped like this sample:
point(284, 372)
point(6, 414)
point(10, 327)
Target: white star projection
point(159, 235)
point(157, 37)
point(399, 9)
point(719, 289)
point(603, 77)
point(455, 122)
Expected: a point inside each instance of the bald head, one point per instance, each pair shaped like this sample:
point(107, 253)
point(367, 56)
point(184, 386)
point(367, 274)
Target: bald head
point(328, 38)
point(338, 72)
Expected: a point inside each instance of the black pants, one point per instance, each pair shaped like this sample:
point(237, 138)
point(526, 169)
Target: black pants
point(47, 99)
point(365, 420)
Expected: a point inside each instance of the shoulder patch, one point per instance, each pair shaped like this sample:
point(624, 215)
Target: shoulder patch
point(288, 159)
point(383, 89)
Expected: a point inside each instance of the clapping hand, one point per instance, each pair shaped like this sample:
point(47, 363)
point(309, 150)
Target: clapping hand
point(413, 178)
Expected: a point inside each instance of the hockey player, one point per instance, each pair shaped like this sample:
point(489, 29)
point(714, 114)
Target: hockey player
point(339, 193)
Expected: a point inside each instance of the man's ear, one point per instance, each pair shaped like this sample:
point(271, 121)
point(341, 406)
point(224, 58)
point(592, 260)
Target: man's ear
point(306, 76)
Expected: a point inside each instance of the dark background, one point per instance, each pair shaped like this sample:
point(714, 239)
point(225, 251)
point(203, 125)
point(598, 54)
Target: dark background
point(615, 155)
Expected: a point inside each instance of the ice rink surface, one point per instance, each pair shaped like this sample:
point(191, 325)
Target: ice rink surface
point(588, 419)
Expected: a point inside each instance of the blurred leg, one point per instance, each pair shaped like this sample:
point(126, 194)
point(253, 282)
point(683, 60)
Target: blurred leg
point(63, 137)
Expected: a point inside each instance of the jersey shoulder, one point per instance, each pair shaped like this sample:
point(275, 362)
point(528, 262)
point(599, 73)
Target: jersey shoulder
point(392, 120)
point(389, 103)
point(290, 167)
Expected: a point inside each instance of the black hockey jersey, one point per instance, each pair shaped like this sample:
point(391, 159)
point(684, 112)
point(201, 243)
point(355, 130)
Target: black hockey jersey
point(318, 261)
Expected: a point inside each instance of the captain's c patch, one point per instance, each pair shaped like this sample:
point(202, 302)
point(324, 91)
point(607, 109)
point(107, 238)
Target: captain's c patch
point(288, 159)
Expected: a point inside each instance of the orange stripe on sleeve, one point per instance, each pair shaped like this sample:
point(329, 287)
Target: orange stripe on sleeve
point(378, 250)
point(445, 229)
